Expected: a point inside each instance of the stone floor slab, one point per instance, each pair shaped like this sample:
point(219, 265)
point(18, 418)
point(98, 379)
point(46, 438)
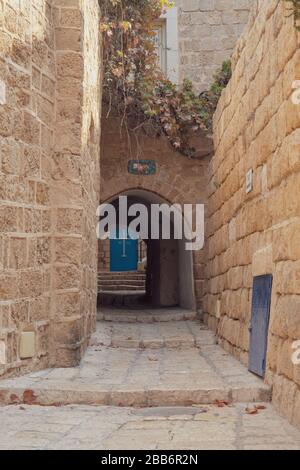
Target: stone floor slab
point(165, 428)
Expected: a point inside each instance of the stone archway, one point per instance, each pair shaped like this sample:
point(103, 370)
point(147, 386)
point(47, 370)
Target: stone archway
point(169, 273)
point(175, 179)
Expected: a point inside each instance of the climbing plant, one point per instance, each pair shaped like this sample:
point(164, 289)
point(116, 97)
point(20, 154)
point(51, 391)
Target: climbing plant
point(135, 86)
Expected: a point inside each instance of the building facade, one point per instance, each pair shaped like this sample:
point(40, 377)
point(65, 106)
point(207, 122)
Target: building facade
point(197, 36)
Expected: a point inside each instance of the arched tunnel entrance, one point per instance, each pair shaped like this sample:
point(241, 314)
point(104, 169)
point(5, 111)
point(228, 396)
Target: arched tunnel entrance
point(148, 272)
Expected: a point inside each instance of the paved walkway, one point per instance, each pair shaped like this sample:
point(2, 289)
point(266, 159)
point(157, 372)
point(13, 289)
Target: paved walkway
point(162, 385)
point(107, 428)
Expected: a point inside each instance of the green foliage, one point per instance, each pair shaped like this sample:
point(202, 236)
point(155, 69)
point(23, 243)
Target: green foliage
point(211, 98)
point(136, 89)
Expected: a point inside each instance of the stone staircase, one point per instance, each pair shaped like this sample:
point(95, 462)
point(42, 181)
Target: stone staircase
point(160, 362)
point(121, 282)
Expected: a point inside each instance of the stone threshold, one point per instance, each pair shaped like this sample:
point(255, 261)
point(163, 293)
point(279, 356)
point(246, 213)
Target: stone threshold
point(63, 394)
point(148, 315)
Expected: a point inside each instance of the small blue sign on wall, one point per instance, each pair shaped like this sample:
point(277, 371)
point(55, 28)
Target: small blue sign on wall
point(142, 167)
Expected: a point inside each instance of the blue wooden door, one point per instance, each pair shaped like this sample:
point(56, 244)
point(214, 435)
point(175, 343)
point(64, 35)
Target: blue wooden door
point(123, 254)
point(261, 303)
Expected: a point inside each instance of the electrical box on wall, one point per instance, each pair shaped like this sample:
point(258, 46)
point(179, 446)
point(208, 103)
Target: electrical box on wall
point(249, 181)
point(2, 353)
point(27, 345)
point(2, 93)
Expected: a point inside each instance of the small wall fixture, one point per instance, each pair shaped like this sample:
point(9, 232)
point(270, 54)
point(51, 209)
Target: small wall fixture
point(2, 353)
point(2, 93)
point(249, 181)
point(27, 345)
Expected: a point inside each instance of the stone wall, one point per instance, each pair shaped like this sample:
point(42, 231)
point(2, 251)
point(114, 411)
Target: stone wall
point(75, 178)
point(103, 256)
point(49, 134)
point(27, 123)
point(257, 127)
point(208, 33)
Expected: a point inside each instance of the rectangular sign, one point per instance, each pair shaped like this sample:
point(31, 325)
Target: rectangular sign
point(142, 167)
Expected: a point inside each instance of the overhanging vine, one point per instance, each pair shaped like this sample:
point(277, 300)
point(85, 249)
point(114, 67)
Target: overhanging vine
point(136, 88)
point(134, 85)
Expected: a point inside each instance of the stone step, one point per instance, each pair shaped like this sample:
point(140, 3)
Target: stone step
point(159, 343)
point(80, 393)
point(122, 368)
point(121, 285)
point(109, 283)
point(122, 300)
point(120, 279)
point(109, 289)
point(144, 315)
point(137, 282)
point(71, 392)
point(127, 275)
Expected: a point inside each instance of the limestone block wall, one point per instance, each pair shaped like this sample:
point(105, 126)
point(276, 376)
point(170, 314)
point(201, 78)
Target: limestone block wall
point(103, 256)
point(75, 179)
point(27, 123)
point(208, 33)
point(48, 150)
point(257, 126)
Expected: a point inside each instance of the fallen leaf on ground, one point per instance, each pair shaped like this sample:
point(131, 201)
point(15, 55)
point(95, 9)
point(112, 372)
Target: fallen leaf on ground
point(261, 407)
point(255, 409)
point(221, 403)
point(153, 358)
point(251, 411)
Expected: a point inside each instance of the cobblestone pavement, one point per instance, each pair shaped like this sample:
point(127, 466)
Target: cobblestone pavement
point(174, 363)
point(109, 428)
point(162, 385)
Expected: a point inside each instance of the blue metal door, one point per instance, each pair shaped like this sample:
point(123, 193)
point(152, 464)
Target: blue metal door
point(261, 303)
point(123, 254)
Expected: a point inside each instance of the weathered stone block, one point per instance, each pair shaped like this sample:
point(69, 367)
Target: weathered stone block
point(68, 250)
point(30, 283)
point(68, 39)
point(18, 253)
point(67, 277)
point(8, 286)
